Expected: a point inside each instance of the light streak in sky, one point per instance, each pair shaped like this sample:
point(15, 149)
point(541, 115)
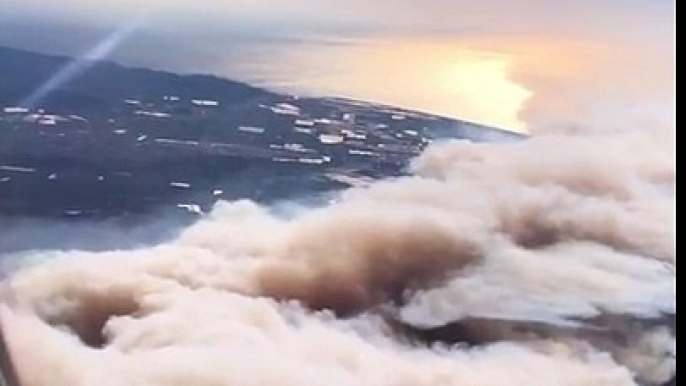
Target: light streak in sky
point(81, 64)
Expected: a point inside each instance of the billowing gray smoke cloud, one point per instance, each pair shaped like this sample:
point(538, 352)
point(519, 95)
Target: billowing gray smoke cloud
point(554, 258)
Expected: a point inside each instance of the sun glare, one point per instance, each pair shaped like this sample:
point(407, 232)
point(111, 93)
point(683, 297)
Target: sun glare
point(481, 90)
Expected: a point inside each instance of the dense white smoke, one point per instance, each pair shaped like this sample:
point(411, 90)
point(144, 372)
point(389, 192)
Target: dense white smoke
point(554, 258)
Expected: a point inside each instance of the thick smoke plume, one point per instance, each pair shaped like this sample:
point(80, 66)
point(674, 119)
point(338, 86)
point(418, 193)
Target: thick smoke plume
point(546, 262)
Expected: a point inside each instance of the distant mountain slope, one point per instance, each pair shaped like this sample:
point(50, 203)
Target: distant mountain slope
point(104, 83)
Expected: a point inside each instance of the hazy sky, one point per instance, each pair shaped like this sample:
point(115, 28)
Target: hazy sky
point(510, 63)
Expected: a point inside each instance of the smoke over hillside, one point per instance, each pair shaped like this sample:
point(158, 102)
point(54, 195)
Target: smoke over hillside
point(550, 261)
